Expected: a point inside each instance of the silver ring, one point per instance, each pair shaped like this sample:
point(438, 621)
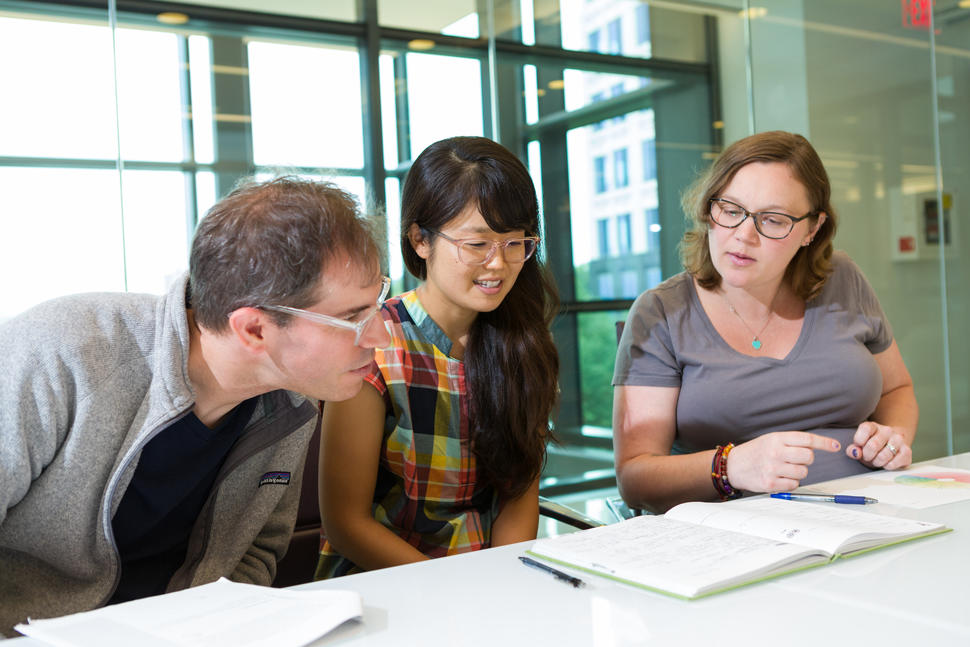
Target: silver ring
point(892, 448)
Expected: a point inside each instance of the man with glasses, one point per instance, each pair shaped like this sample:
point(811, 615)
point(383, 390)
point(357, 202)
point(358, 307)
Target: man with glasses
point(149, 444)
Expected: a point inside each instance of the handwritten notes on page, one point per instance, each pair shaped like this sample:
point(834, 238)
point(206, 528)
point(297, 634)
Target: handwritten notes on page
point(220, 614)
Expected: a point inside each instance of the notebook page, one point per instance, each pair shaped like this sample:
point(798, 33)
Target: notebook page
point(670, 555)
point(829, 527)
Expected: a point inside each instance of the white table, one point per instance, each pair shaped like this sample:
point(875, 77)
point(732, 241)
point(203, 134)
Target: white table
point(917, 593)
point(914, 594)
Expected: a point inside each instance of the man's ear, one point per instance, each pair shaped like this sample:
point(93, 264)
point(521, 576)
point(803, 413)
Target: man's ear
point(248, 326)
point(418, 241)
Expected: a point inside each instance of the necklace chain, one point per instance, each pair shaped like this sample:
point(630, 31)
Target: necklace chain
point(755, 341)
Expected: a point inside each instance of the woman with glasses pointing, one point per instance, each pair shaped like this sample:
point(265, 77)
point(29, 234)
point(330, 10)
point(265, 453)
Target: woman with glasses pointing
point(768, 363)
point(450, 428)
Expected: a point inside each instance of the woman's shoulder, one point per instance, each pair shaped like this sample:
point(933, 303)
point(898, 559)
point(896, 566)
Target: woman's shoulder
point(671, 294)
point(845, 275)
point(395, 309)
point(413, 331)
point(842, 262)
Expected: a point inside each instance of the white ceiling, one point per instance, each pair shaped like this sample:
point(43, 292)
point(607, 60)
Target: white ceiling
point(425, 15)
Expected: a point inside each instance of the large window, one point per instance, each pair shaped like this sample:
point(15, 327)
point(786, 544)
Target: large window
point(110, 156)
point(114, 142)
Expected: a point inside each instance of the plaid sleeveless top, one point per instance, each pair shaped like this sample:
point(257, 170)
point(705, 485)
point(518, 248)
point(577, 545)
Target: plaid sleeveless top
point(428, 490)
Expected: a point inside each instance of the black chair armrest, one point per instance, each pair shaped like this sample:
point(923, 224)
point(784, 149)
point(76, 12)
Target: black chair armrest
point(567, 515)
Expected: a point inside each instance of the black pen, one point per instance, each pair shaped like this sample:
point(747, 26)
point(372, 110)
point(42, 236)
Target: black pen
point(559, 575)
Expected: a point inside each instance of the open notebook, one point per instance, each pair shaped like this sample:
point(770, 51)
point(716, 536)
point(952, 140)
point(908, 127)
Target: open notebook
point(697, 549)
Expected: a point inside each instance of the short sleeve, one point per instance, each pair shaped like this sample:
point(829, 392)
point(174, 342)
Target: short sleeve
point(851, 286)
point(646, 354)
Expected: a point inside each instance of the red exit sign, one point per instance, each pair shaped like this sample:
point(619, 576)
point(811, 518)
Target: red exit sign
point(917, 13)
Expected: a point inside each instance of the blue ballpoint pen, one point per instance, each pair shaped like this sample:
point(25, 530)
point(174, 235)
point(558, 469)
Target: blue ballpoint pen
point(831, 498)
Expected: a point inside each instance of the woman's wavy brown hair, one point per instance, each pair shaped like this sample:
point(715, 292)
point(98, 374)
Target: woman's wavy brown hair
point(811, 265)
point(511, 362)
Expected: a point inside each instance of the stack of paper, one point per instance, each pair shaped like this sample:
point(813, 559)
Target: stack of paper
point(220, 614)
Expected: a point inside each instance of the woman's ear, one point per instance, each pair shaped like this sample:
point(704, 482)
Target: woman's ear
point(418, 241)
point(818, 225)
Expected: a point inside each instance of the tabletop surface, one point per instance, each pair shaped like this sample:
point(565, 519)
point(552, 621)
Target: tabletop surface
point(915, 593)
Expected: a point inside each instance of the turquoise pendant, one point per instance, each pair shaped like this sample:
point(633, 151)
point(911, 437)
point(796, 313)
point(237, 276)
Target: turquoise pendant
point(756, 344)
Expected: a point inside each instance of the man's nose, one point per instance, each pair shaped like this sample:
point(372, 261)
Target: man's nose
point(375, 334)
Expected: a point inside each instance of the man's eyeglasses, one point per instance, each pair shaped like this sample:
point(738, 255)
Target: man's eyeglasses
point(479, 251)
point(769, 224)
point(358, 326)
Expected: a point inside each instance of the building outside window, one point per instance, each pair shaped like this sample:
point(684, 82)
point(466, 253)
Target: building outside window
point(649, 159)
point(621, 175)
point(603, 236)
point(599, 173)
point(623, 239)
point(643, 24)
point(614, 38)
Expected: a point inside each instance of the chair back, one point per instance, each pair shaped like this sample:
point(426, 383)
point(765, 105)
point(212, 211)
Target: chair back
point(300, 561)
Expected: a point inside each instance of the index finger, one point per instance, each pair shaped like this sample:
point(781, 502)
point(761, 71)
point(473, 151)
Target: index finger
point(813, 441)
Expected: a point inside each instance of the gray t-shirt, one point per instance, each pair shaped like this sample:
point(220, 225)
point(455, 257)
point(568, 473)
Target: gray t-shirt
point(829, 383)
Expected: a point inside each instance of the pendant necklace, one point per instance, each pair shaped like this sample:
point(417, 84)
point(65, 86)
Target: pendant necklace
point(755, 341)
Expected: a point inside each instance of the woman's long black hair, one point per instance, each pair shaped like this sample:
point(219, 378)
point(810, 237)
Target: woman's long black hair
point(511, 362)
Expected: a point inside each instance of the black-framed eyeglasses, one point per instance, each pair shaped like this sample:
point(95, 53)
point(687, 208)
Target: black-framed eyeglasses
point(478, 251)
point(769, 224)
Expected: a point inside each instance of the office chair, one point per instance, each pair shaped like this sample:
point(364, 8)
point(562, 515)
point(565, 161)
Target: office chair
point(616, 504)
point(300, 561)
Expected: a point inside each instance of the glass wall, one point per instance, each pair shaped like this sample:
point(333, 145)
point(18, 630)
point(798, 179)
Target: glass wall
point(110, 154)
point(892, 129)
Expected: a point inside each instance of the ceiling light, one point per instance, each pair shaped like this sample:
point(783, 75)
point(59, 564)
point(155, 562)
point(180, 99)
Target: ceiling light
point(557, 84)
point(172, 18)
point(421, 44)
point(754, 12)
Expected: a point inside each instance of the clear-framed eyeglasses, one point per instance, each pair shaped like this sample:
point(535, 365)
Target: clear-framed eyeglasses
point(769, 224)
point(479, 251)
point(358, 326)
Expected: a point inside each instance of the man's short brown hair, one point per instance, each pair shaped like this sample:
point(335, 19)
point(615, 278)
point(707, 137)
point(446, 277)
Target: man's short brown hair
point(267, 243)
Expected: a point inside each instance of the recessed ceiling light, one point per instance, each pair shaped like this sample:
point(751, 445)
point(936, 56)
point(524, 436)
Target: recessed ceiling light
point(557, 84)
point(754, 12)
point(172, 18)
point(421, 44)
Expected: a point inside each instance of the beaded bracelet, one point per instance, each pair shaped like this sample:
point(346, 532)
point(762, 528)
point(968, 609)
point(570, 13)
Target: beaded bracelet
point(719, 473)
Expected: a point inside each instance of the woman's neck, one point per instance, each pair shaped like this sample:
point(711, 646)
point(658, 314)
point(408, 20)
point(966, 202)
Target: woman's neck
point(454, 321)
point(757, 304)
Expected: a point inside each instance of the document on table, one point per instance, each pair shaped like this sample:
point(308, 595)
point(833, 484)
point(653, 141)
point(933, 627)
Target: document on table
point(698, 548)
point(924, 486)
point(219, 614)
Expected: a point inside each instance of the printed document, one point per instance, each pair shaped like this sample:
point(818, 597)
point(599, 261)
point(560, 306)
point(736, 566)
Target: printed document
point(220, 614)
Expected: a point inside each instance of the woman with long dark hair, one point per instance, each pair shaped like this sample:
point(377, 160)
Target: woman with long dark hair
point(451, 426)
